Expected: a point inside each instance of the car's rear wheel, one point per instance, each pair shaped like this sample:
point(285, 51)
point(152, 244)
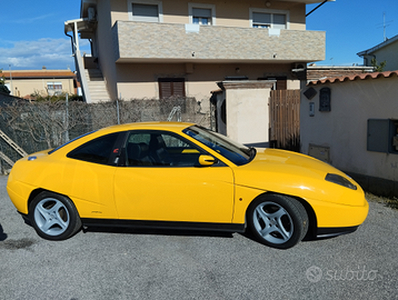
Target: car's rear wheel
point(278, 221)
point(54, 216)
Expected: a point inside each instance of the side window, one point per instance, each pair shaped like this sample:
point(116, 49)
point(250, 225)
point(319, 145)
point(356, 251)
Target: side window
point(161, 149)
point(98, 150)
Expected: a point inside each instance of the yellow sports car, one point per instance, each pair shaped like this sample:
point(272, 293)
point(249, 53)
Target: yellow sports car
point(180, 175)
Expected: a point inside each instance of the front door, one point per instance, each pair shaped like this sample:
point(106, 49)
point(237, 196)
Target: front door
point(162, 181)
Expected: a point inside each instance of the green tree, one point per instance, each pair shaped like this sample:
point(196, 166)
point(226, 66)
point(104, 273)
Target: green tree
point(378, 68)
point(3, 88)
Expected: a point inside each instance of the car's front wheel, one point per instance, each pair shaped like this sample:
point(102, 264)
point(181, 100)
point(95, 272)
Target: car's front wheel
point(277, 220)
point(54, 216)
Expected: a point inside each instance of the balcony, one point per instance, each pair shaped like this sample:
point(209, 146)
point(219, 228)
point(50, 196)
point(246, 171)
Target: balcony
point(161, 42)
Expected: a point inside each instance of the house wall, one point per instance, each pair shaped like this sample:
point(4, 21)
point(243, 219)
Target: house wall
point(106, 55)
point(387, 54)
point(26, 87)
point(228, 13)
point(343, 130)
point(247, 111)
point(140, 80)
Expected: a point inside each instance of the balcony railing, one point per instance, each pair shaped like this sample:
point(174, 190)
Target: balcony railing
point(161, 42)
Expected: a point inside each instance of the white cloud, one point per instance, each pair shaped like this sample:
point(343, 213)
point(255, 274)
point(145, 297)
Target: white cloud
point(31, 55)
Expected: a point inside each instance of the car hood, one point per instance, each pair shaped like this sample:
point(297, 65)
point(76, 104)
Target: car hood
point(294, 174)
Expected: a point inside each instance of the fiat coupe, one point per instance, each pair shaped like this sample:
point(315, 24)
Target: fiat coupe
point(180, 175)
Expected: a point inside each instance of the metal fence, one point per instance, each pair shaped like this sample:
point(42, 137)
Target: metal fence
point(43, 125)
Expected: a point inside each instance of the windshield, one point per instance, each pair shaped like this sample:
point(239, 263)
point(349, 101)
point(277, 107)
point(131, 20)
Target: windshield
point(235, 152)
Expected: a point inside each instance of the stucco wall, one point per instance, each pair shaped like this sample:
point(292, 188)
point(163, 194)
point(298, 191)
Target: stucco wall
point(389, 55)
point(140, 80)
point(344, 128)
point(103, 39)
point(228, 13)
point(24, 87)
point(247, 114)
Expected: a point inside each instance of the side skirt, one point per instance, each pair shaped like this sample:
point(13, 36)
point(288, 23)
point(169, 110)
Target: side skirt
point(165, 225)
point(330, 232)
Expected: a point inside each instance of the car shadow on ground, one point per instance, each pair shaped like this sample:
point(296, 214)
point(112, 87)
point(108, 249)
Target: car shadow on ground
point(310, 237)
point(155, 231)
point(3, 235)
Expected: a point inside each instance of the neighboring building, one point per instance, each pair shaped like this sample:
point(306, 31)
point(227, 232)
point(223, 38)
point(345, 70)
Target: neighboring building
point(314, 72)
point(157, 49)
point(23, 83)
point(351, 122)
point(386, 51)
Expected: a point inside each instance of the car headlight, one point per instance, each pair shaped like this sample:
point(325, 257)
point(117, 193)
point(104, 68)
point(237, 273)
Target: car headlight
point(340, 180)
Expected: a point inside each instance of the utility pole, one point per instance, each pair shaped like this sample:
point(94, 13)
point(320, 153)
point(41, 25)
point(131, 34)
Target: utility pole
point(12, 88)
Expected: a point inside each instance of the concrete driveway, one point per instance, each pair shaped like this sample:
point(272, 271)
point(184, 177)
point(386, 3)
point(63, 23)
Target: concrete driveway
point(128, 264)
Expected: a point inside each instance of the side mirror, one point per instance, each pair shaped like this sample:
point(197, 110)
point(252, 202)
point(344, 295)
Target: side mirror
point(207, 160)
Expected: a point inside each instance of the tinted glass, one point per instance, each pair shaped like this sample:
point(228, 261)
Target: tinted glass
point(98, 150)
point(159, 148)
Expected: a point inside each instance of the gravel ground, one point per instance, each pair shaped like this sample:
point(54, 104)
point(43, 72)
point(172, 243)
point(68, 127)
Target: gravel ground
point(128, 264)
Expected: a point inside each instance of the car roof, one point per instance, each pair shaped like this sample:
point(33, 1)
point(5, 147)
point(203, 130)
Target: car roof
point(174, 126)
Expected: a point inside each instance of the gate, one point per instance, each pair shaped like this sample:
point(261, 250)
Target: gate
point(285, 119)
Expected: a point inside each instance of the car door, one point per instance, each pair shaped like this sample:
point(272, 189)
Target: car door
point(163, 181)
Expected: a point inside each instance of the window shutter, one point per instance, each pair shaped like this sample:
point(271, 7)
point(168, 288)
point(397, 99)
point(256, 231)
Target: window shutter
point(261, 18)
point(279, 21)
point(145, 12)
point(165, 89)
point(171, 87)
point(201, 12)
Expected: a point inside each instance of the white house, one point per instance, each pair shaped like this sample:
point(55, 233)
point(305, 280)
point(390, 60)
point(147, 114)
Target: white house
point(352, 123)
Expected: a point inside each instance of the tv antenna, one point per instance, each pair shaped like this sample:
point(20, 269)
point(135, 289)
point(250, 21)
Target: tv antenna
point(384, 25)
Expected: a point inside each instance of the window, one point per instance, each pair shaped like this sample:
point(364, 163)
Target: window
point(54, 88)
point(280, 84)
point(169, 87)
point(269, 19)
point(201, 14)
point(235, 152)
point(150, 11)
point(383, 135)
point(160, 149)
point(98, 151)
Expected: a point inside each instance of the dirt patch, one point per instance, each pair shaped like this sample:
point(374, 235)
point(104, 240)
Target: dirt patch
point(16, 244)
point(389, 202)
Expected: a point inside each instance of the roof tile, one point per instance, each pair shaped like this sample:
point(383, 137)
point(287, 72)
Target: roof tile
point(361, 76)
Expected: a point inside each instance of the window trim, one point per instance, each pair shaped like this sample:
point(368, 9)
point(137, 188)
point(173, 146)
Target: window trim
point(212, 7)
point(149, 2)
point(272, 12)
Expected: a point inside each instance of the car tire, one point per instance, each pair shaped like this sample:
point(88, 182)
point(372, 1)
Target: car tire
point(53, 216)
point(277, 221)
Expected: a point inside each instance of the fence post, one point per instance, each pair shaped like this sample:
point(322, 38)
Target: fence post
point(118, 113)
point(67, 118)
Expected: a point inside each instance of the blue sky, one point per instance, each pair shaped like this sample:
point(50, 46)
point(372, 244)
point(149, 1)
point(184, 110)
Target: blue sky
point(32, 34)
